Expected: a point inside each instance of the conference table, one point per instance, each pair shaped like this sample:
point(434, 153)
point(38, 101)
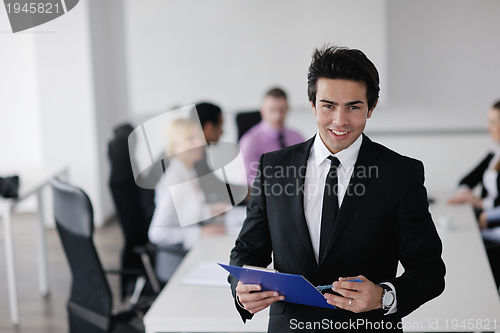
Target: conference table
point(470, 301)
point(31, 182)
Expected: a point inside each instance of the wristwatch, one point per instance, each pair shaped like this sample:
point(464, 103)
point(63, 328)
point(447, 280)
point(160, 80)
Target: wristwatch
point(388, 297)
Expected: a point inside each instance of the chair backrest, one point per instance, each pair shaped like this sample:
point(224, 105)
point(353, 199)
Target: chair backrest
point(247, 120)
point(90, 300)
point(134, 205)
point(129, 199)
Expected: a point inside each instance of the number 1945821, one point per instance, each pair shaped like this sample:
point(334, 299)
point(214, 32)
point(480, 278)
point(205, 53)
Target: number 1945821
point(33, 7)
point(472, 324)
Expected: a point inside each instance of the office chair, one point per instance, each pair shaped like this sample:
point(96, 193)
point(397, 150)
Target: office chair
point(246, 120)
point(90, 302)
point(134, 207)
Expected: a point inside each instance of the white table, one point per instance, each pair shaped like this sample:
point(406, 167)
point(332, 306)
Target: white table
point(181, 308)
point(470, 293)
point(31, 181)
point(470, 289)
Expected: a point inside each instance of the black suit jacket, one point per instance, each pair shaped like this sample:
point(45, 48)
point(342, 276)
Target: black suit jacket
point(475, 177)
point(384, 218)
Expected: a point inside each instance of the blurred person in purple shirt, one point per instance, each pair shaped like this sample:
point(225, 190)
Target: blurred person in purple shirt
point(268, 135)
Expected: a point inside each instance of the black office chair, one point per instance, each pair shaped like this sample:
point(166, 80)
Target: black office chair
point(90, 303)
point(134, 207)
point(246, 120)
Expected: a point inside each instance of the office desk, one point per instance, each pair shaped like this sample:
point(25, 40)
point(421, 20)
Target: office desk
point(470, 292)
point(31, 181)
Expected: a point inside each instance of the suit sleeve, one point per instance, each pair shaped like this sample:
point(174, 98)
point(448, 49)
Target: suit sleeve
point(253, 245)
point(419, 246)
point(476, 175)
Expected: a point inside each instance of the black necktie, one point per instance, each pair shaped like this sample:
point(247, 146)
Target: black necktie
point(330, 205)
point(281, 139)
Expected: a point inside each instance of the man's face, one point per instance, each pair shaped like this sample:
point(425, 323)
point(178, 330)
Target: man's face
point(213, 132)
point(274, 110)
point(341, 112)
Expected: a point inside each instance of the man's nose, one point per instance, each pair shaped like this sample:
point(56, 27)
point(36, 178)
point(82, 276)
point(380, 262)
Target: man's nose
point(340, 118)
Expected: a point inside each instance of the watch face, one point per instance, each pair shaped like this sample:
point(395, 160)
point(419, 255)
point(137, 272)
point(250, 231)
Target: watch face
point(388, 298)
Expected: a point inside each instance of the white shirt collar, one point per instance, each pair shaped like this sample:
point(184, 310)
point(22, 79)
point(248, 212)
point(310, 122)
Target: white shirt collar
point(347, 157)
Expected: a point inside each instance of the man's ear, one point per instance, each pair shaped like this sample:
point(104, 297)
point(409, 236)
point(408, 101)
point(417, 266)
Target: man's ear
point(287, 108)
point(313, 107)
point(373, 108)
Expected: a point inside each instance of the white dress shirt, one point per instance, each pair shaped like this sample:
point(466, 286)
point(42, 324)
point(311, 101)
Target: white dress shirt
point(318, 166)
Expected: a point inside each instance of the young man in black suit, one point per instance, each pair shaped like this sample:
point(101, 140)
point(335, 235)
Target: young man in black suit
point(339, 207)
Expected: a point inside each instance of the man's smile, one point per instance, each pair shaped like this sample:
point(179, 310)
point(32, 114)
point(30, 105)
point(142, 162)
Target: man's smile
point(339, 134)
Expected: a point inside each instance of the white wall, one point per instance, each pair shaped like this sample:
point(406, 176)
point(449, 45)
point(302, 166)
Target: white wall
point(65, 89)
point(67, 101)
point(109, 84)
point(48, 105)
point(443, 73)
point(20, 137)
point(231, 52)
point(444, 53)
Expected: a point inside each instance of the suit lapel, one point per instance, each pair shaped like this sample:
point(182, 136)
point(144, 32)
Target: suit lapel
point(367, 157)
point(299, 160)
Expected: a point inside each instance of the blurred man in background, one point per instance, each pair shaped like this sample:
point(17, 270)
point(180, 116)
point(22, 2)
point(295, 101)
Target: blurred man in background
point(268, 135)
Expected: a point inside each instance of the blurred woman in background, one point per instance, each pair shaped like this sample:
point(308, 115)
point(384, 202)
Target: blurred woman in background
point(486, 174)
point(487, 207)
point(174, 227)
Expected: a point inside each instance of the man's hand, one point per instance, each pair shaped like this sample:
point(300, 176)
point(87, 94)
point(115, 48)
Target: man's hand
point(466, 196)
point(483, 221)
point(212, 229)
point(219, 208)
point(461, 197)
point(254, 300)
point(358, 296)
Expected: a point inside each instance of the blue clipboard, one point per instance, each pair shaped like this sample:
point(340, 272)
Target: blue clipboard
point(295, 288)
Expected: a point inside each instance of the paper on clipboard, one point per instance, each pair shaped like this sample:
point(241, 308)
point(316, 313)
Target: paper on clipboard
point(295, 288)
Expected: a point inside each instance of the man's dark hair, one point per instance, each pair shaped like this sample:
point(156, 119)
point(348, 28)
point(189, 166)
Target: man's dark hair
point(276, 93)
point(208, 112)
point(333, 62)
point(496, 105)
